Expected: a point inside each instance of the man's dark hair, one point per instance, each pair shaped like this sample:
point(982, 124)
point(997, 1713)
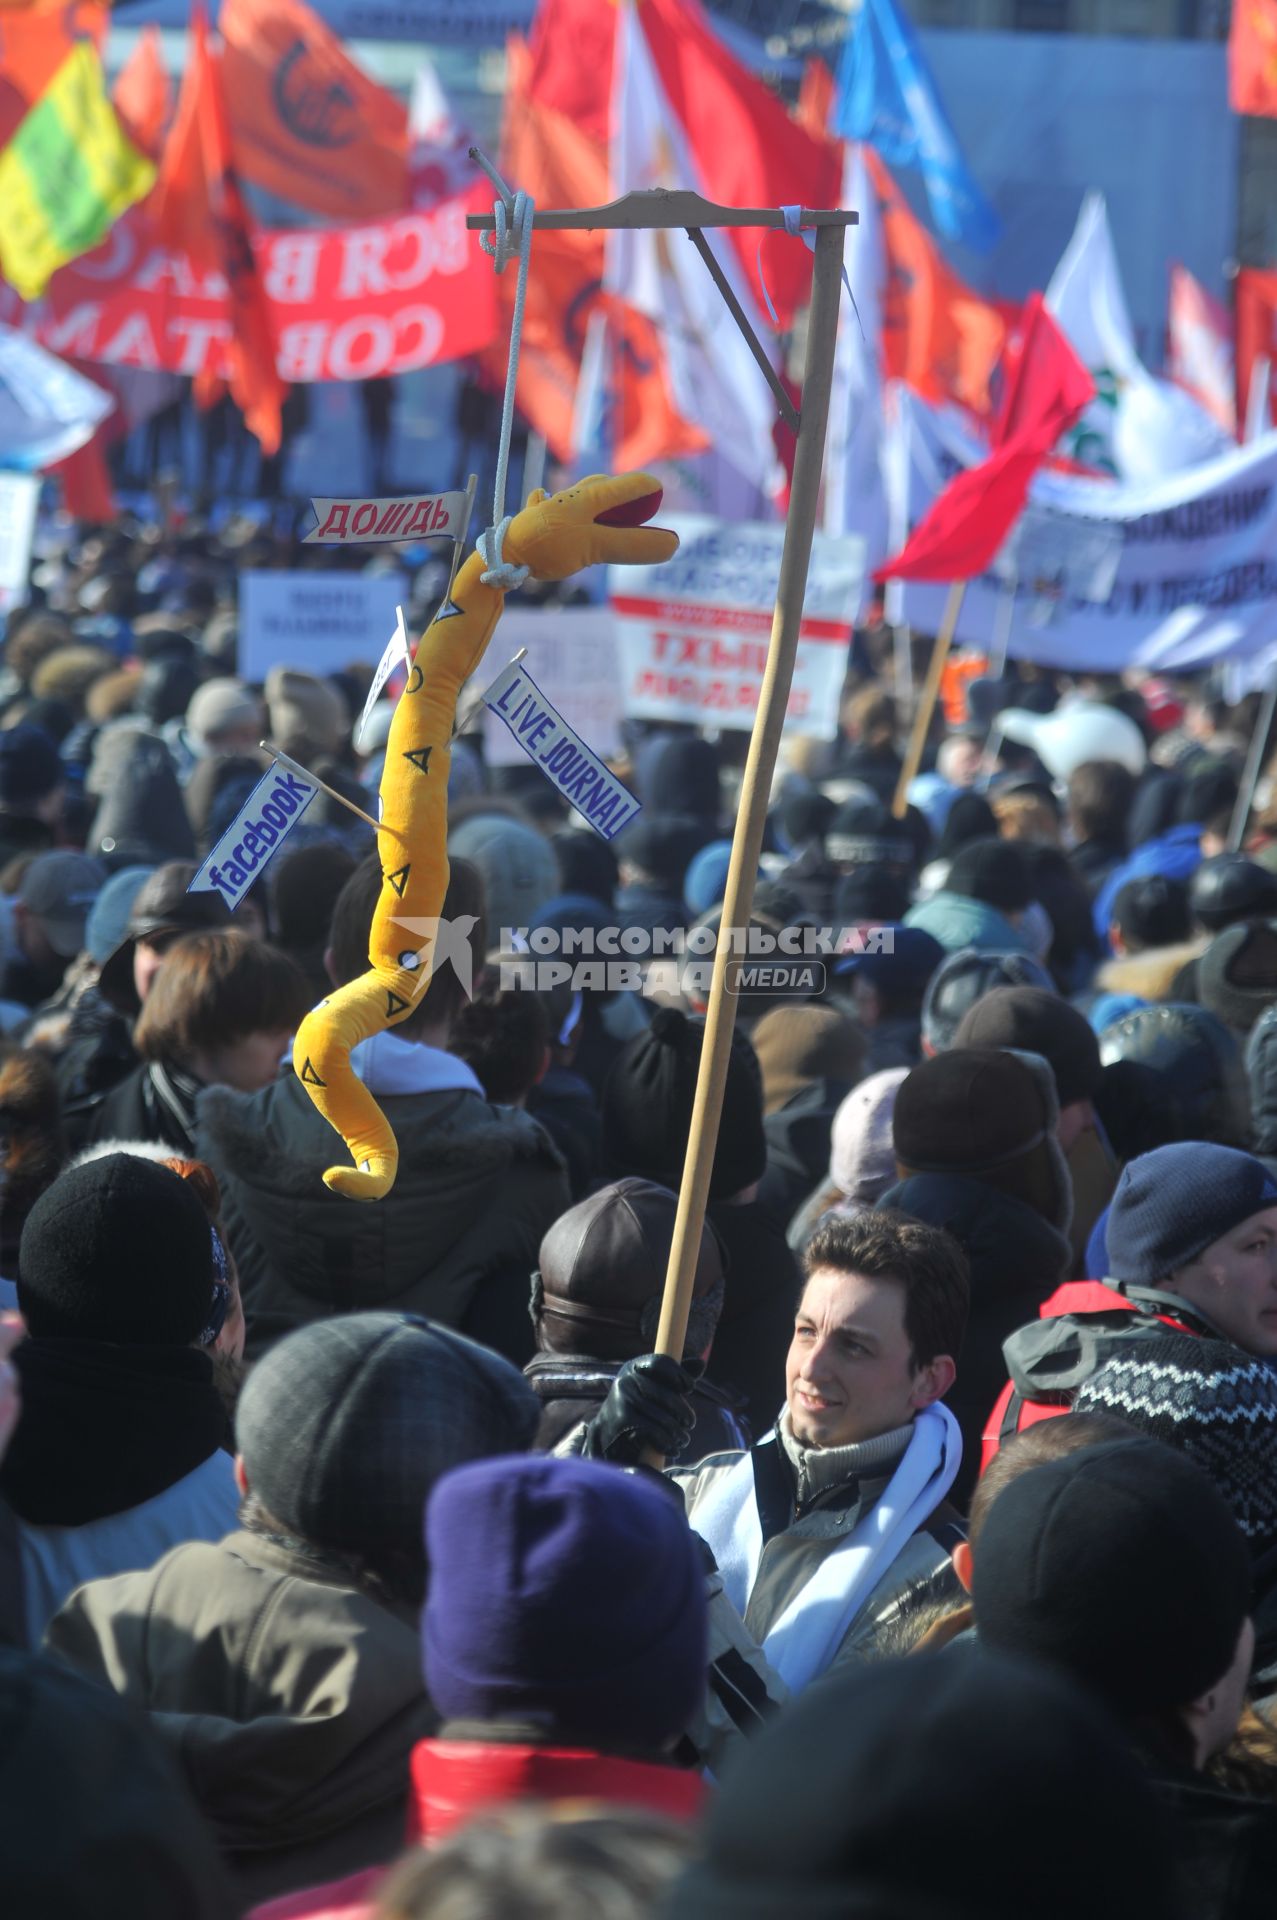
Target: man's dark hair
point(503, 1034)
point(881, 1244)
point(352, 925)
point(1100, 796)
point(1152, 911)
point(1044, 1441)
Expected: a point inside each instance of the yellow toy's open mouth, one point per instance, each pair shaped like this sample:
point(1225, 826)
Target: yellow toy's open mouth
point(632, 513)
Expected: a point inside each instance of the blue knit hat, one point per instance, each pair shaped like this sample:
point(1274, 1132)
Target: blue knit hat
point(567, 1594)
point(1173, 1203)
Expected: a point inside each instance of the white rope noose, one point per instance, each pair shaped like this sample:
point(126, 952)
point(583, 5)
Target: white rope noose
point(512, 215)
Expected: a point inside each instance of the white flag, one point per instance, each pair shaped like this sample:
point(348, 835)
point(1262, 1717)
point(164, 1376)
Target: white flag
point(855, 476)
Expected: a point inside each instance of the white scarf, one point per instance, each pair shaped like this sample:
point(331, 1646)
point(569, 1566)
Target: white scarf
point(807, 1635)
point(388, 1064)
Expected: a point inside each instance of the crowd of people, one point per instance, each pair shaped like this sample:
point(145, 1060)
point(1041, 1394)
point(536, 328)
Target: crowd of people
point(368, 1560)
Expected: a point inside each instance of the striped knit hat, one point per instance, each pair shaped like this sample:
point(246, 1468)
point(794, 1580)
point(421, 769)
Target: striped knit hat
point(1210, 1400)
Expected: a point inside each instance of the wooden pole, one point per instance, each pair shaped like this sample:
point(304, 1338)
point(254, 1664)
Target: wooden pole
point(755, 788)
point(927, 698)
point(378, 826)
point(1254, 764)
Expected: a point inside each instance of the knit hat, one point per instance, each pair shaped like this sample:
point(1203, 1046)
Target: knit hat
point(305, 712)
point(934, 1788)
point(1173, 1203)
point(995, 871)
point(1122, 1564)
point(1229, 888)
point(219, 705)
point(1237, 974)
point(1215, 1404)
point(59, 889)
point(1036, 1020)
point(678, 773)
point(705, 882)
point(162, 906)
point(862, 1157)
point(567, 1594)
point(516, 864)
point(967, 976)
point(109, 915)
point(872, 895)
point(647, 1107)
point(602, 1274)
point(346, 1425)
point(797, 1046)
point(30, 767)
point(118, 1249)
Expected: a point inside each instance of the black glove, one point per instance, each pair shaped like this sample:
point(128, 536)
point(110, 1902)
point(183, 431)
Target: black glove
point(645, 1410)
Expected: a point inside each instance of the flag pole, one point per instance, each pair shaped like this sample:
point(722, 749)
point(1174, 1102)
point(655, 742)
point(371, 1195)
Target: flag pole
point(800, 524)
point(927, 698)
point(1254, 764)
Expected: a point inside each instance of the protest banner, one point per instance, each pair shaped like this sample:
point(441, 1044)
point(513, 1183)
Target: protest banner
point(19, 496)
point(572, 653)
point(356, 522)
point(267, 817)
point(347, 303)
point(551, 744)
point(1110, 575)
point(692, 635)
point(319, 622)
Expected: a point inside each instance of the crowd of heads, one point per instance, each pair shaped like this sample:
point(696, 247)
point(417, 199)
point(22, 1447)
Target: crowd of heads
point(357, 1504)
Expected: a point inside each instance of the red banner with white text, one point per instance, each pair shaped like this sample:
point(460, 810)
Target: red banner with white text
point(348, 303)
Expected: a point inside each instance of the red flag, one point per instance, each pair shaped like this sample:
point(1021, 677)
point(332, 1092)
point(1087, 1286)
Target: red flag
point(306, 122)
point(742, 143)
point(1042, 377)
point(973, 516)
point(1252, 57)
point(1255, 295)
point(142, 94)
point(198, 211)
point(86, 483)
point(814, 110)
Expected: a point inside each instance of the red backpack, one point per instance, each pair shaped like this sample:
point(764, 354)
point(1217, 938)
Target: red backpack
point(1079, 1329)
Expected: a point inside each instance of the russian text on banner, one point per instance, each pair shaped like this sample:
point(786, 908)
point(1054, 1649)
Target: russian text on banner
point(269, 815)
point(360, 522)
point(551, 744)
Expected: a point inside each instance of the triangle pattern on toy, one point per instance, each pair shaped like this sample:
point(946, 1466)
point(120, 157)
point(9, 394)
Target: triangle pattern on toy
point(394, 1004)
point(309, 1077)
point(420, 757)
point(399, 879)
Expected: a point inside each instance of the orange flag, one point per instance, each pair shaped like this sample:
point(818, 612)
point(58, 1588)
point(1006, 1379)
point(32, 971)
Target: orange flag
point(560, 165)
point(142, 96)
point(306, 123)
point(1252, 57)
point(938, 336)
point(198, 211)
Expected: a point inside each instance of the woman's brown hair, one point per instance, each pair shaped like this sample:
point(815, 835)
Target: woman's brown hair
point(215, 989)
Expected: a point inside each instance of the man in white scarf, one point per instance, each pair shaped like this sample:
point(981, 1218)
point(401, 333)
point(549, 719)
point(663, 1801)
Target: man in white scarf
point(836, 1521)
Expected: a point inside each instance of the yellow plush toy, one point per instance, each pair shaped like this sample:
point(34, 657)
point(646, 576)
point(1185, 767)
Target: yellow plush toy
point(599, 519)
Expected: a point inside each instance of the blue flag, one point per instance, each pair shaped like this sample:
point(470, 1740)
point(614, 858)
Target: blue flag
point(887, 97)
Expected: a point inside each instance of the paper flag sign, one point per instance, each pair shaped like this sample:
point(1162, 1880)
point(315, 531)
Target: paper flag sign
point(551, 744)
point(361, 523)
point(269, 815)
point(396, 655)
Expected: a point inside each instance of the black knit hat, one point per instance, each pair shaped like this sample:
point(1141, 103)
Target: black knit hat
point(1237, 974)
point(994, 871)
point(1034, 1020)
point(1173, 1203)
point(1212, 1402)
point(119, 1250)
point(934, 1788)
point(647, 1108)
point(1121, 1564)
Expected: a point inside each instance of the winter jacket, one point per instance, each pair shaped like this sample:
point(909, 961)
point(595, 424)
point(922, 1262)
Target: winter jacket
point(456, 1239)
point(1175, 854)
point(1227, 1845)
point(1261, 1067)
point(151, 1103)
point(757, 1321)
point(818, 1519)
point(290, 1699)
point(572, 1388)
point(958, 922)
point(564, 1105)
point(1152, 974)
point(1017, 1258)
point(455, 1777)
point(797, 1136)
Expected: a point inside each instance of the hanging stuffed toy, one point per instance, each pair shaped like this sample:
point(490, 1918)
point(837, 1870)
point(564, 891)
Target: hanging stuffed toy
point(598, 520)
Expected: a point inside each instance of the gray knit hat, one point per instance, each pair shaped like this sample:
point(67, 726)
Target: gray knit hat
point(346, 1425)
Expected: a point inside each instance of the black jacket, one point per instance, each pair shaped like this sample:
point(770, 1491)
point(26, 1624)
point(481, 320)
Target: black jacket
point(456, 1238)
point(1227, 1846)
point(798, 1148)
point(1017, 1260)
point(757, 1322)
